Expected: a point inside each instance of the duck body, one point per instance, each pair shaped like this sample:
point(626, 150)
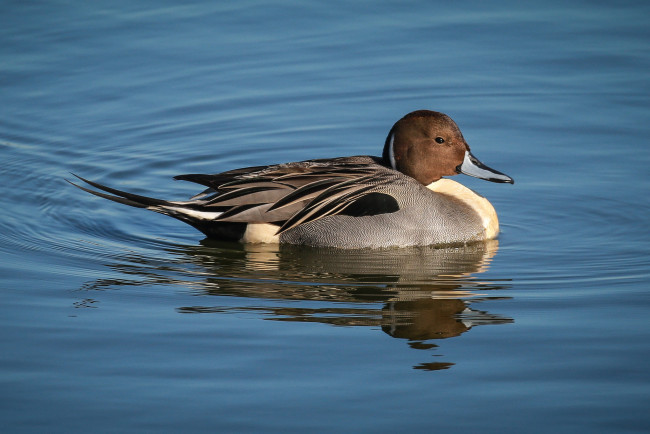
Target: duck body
point(433, 219)
point(401, 212)
point(399, 199)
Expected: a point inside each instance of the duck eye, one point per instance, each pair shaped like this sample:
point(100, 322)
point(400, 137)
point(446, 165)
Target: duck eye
point(440, 140)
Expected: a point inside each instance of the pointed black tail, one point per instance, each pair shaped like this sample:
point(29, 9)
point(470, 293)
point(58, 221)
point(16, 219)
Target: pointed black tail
point(119, 195)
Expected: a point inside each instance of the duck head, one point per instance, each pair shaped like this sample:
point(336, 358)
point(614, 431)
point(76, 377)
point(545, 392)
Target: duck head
point(428, 145)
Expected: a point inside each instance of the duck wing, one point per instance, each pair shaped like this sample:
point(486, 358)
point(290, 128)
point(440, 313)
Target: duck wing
point(296, 193)
point(286, 195)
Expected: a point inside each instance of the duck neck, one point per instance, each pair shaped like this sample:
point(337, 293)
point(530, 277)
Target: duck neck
point(388, 156)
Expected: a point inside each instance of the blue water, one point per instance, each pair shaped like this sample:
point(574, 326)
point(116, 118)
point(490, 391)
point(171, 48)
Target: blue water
point(114, 319)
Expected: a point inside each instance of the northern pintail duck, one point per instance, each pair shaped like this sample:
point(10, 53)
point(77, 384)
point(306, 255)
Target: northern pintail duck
point(399, 199)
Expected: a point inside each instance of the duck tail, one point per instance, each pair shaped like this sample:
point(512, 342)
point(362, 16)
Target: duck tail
point(120, 196)
point(191, 212)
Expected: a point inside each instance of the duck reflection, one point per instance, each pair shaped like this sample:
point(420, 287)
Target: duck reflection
point(420, 294)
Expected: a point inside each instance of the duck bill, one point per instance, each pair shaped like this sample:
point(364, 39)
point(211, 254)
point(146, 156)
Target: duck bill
point(473, 167)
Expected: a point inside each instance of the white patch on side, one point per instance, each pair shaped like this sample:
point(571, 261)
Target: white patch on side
point(202, 215)
point(391, 152)
point(478, 203)
point(260, 233)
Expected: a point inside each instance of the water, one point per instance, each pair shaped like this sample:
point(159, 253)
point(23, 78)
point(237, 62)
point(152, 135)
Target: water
point(115, 319)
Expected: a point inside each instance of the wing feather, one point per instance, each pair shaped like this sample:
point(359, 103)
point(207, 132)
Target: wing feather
point(292, 194)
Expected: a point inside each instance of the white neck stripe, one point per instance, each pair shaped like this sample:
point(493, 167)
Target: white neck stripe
point(391, 152)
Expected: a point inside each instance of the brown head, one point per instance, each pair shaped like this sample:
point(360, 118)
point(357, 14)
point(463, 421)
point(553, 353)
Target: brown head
point(428, 145)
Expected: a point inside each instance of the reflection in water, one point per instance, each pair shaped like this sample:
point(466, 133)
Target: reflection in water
point(419, 293)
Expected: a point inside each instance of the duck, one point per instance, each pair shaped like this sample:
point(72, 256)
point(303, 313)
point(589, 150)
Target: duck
point(397, 200)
